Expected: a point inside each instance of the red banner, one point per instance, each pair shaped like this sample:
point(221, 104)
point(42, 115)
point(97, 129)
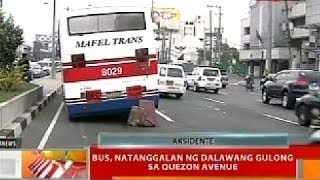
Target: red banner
point(110, 71)
point(275, 162)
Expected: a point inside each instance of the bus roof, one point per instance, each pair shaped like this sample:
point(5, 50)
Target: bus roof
point(102, 10)
point(113, 3)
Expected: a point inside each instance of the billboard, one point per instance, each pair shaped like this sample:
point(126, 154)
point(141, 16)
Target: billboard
point(167, 17)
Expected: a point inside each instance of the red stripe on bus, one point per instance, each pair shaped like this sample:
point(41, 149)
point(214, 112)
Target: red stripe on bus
point(110, 71)
point(151, 56)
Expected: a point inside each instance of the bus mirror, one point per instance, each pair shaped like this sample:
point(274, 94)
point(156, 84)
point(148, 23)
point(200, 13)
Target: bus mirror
point(142, 54)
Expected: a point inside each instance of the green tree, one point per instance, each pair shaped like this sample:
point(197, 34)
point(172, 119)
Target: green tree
point(229, 53)
point(10, 39)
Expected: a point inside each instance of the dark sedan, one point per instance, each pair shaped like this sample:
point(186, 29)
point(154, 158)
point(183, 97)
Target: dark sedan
point(288, 85)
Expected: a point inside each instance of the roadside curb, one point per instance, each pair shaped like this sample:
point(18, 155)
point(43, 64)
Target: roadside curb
point(16, 127)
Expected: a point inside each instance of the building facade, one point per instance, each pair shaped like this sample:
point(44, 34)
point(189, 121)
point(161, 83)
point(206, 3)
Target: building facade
point(302, 29)
point(24, 50)
point(313, 23)
point(193, 39)
point(254, 39)
point(303, 57)
point(42, 46)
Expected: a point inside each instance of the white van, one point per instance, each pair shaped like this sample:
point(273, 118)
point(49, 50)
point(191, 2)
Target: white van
point(205, 78)
point(172, 80)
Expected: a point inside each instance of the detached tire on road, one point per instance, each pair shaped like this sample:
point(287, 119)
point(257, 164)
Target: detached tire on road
point(304, 116)
point(224, 86)
point(265, 96)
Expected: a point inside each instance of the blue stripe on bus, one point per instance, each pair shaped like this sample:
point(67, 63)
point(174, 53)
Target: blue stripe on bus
point(85, 110)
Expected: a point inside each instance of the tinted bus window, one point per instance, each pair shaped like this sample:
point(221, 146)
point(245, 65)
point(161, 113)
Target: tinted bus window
point(106, 23)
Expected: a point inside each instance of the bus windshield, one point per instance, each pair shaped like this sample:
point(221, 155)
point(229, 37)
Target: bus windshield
point(113, 22)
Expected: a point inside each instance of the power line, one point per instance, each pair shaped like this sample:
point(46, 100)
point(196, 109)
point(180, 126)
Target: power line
point(282, 41)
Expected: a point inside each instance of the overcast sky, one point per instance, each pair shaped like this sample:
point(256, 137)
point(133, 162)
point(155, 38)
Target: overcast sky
point(35, 16)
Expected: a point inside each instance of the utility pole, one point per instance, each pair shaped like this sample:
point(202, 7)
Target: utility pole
point(269, 39)
point(210, 26)
point(53, 63)
point(219, 35)
point(163, 56)
point(204, 46)
point(292, 64)
point(318, 46)
point(170, 42)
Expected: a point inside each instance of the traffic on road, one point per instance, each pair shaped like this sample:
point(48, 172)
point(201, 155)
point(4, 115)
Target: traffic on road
point(233, 109)
point(111, 58)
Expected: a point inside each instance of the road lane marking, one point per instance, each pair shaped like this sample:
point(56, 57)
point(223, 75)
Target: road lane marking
point(216, 101)
point(224, 93)
point(167, 118)
point(50, 128)
point(280, 119)
point(259, 100)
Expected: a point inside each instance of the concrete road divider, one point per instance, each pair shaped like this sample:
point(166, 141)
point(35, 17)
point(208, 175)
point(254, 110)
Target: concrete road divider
point(17, 121)
point(9, 110)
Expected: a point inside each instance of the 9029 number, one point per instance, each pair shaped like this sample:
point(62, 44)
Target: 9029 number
point(105, 72)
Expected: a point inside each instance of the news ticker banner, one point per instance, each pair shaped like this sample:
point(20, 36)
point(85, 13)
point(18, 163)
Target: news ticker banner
point(198, 154)
point(44, 164)
point(192, 138)
point(171, 162)
point(10, 143)
point(131, 162)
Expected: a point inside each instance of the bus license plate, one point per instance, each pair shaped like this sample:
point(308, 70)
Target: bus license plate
point(113, 94)
point(134, 91)
point(94, 95)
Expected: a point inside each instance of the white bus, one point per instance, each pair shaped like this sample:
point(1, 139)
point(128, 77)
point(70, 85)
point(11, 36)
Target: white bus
point(109, 59)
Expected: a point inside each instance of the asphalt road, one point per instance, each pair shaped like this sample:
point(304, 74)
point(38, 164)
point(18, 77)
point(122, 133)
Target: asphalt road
point(232, 110)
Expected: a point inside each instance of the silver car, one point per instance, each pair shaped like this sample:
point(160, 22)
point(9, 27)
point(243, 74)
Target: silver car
point(37, 72)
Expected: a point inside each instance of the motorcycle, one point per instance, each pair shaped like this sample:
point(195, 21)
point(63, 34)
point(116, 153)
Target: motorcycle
point(307, 107)
point(249, 86)
point(249, 83)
